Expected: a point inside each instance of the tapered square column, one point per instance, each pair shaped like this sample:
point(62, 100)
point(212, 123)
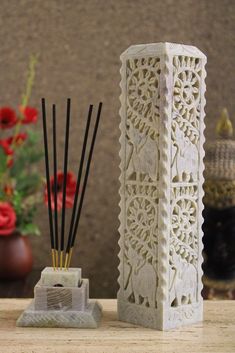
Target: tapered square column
point(162, 124)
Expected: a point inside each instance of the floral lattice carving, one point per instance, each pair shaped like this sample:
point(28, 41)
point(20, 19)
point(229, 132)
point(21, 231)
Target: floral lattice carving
point(141, 216)
point(141, 169)
point(186, 83)
point(140, 270)
point(185, 159)
point(141, 221)
point(143, 94)
point(186, 118)
point(183, 217)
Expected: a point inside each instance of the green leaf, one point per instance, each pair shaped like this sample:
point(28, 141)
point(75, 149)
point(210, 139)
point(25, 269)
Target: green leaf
point(29, 229)
point(2, 195)
point(3, 161)
point(34, 156)
point(28, 183)
point(25, 158)
point(33, 137)
point(17, 203)
point(18, 165)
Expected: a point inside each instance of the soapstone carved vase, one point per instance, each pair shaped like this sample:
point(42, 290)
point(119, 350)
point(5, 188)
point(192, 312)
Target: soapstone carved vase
point(16, 259)
point(162, 124)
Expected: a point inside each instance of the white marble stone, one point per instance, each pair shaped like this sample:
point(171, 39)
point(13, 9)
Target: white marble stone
point(162, 125)
point(65, 278)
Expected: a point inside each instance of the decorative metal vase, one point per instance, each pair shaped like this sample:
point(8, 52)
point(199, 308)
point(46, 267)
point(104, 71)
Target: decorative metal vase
point(219, 212)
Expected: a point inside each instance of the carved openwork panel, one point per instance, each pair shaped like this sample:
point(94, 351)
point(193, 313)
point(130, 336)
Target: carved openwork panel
point(162, 113)
point(185, 134)
point(141, 180)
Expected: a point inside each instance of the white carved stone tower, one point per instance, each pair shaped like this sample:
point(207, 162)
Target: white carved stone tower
point(162, 125)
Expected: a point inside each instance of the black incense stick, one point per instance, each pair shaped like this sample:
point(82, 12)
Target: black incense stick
point(86, 175)
point(48, 177)
point(64, 181)
point(76, 213)
point(55, 183)
point(83, 152)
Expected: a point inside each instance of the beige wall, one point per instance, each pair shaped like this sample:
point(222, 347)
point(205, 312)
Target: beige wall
point(79, 43)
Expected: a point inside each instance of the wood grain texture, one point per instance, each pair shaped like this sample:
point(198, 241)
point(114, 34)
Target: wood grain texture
point(215, 334)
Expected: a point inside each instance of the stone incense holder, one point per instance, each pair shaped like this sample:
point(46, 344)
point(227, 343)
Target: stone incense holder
point(61, 299)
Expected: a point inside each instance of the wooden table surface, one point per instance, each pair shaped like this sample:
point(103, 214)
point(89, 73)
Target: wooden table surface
point(215, 334)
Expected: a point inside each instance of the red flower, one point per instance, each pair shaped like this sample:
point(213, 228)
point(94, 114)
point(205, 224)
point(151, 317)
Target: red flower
point(30, 115)
point(7, 118)
point(7, 219)
point(6, 147)
point(18, 139)
point(70, 190)
point(8, 151)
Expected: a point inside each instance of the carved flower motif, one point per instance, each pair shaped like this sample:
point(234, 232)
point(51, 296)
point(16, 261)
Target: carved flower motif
point(186, 90)
point(141, 217)
point(183, 218)
point(143, 93)
point(186, 83)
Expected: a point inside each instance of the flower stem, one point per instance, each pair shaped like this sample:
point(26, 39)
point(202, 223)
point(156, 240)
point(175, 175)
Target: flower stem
point(26, 96)
point(30, 80)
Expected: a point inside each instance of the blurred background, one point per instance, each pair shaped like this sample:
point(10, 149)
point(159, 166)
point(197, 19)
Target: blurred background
point(78, 45)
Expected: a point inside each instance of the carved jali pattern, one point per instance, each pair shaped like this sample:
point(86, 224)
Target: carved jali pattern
point(141, 176)
point(184, 175)
point(143, 94)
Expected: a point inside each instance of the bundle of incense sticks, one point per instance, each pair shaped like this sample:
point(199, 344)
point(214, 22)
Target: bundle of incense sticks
point(58, 247)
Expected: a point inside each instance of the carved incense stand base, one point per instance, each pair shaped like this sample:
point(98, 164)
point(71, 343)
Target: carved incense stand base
point(61, 299)
point(162, 124)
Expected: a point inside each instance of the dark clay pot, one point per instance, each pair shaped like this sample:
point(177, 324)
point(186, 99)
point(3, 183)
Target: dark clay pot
point(16, 258)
